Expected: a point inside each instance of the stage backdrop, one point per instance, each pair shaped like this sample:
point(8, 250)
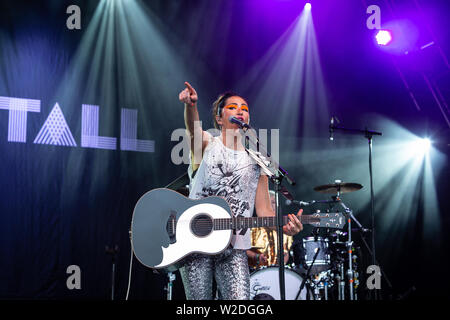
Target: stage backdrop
point(89, 114)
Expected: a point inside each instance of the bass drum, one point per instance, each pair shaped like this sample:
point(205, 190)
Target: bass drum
point(265, 285)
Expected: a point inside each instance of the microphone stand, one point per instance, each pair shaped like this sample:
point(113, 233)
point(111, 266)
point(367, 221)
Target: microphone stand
point(369, 135)
point(281, 274)
point(307, 276)
point(276, 174)
point(113, 252)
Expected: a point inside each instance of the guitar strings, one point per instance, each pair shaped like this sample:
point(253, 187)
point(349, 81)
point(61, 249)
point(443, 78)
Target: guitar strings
point(242, 222)
point(237, 223)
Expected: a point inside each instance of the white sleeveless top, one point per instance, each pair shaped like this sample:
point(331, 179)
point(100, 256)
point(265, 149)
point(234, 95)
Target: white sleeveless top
point(230, 174)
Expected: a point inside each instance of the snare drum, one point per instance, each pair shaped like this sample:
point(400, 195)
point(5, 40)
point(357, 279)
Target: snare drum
point(265, 285)
point(305, 251)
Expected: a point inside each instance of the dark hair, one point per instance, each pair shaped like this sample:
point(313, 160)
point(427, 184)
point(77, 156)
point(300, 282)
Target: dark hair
point(219, 104)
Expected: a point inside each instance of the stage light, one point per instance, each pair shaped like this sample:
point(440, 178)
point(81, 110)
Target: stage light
point(383, 37)
point(398, 37)
point(416, 148)
point(308, 6)
point(423, 145)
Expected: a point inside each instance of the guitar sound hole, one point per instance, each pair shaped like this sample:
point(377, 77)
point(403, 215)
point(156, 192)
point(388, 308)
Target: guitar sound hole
point(201, 225)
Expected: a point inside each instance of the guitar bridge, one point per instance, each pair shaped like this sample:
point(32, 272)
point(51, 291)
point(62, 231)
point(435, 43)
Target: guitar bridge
point(171, 227)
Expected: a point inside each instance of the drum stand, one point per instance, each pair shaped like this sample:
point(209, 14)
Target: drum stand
point(325, 287)
point(169, 287)
point(348, 245)
point(324, 282)
point(341, 280)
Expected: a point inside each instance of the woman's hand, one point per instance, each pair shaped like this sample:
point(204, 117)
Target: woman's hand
point(189, 95)
point(294, 225)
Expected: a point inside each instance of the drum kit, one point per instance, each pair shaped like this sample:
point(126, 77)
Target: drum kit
point(323, 266)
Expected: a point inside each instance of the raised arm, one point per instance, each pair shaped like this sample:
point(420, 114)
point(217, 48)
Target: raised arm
point(192, 122)
point(189, 97)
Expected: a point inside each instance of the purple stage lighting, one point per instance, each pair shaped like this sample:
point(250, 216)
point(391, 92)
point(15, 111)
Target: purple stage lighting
point(383, 37)
point(308, 6)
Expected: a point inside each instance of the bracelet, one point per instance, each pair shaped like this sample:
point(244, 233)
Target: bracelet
point(257, 257)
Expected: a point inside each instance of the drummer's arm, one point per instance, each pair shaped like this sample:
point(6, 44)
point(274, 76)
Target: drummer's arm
point(253, 255)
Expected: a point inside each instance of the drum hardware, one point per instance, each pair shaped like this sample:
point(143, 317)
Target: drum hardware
point(322, 281)
point(171, 277)
point(349, 245)
point(351, 273)
point(308, 275)
point(326, 289)
point(339, 188)
point(335, 263)
point(362, 232)
point(341, 279)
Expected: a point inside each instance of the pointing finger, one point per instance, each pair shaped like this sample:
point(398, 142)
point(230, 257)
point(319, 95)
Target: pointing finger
point(189, 87)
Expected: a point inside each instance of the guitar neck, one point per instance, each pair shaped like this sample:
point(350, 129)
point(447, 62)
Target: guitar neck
point(257, 222)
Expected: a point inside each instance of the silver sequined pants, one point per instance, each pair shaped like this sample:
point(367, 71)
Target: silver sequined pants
point(230, 269)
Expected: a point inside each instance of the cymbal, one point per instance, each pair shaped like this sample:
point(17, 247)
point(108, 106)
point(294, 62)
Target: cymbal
point(343, 187)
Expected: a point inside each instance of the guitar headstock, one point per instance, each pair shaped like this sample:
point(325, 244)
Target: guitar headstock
point(333, 220)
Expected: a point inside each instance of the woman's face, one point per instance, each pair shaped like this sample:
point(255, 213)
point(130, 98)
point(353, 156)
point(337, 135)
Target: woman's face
point(234, 107)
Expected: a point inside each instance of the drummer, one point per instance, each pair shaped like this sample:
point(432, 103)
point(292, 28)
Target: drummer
point(264, 251)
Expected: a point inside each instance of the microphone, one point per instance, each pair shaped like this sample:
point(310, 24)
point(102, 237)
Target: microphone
point(300, 203)
point(238, 122)
point(331, 128)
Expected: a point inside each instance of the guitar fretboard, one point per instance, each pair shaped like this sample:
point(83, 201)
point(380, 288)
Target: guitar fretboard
point(256, 222)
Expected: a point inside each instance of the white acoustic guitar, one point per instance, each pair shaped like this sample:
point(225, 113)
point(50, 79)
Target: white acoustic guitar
point(167, 226)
